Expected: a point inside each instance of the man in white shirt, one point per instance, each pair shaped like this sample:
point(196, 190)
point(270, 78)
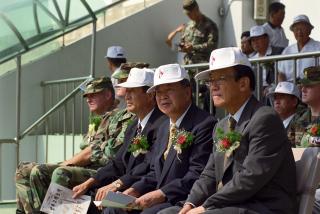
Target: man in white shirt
point(260, 43)
point(301, 28)
point(285, 97)
point(273, 26)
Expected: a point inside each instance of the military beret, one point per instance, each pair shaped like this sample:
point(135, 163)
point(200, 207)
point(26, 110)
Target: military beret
point(123, 71)
point(311, 75)
point(189, 4)
point(96, 85)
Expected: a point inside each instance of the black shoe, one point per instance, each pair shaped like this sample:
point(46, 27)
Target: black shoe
point(19, 212)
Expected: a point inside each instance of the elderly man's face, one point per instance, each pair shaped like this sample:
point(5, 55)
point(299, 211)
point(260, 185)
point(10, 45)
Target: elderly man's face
point(173, 98)
point(224, 88)
point(301, 32)
point(310, 94)
point(260, 43)
point(136, 98)
point(284, 104)
point(97, 102)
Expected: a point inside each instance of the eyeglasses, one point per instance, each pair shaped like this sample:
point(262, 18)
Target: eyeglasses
point(219, 80)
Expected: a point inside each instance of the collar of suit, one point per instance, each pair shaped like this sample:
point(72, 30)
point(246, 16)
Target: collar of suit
point(144, 121)
point(179, 120)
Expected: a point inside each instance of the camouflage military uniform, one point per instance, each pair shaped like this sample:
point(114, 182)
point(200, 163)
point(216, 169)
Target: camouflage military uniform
point(297, 131)
point(299, 126)
point(203, 37)
point(32, 179)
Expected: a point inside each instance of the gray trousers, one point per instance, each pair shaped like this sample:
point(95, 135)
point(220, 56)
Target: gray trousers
point(152, 210)
point(316, 208)
point(226, 210)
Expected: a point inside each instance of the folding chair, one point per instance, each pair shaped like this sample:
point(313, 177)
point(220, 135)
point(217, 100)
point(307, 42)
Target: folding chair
point(308, 177)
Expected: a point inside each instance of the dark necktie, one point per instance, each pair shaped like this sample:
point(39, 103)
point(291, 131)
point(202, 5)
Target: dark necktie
point(231, 123)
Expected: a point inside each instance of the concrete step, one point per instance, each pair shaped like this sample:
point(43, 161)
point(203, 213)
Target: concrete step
point(8, 207)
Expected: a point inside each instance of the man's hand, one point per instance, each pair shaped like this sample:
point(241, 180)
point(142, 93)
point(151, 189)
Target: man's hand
point(151, 198)
point(132, 192)
point(102, 192)
point(180, 28)
point(197, 210)
point(83, 188)
point(187, 48)
point(79, 190)
point(185, 209)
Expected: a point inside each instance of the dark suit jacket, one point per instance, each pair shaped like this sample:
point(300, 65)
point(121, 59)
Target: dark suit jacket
point(175, 176)
point(260, 171)
point(125, 166)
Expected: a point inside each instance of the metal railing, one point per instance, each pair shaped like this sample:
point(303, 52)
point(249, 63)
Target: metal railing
point(259, 61)
point(53, 92)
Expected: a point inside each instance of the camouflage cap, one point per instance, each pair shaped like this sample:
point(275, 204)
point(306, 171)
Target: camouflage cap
point(96, 85)
point(125, 68)
point(188, 5)
point(311, 75)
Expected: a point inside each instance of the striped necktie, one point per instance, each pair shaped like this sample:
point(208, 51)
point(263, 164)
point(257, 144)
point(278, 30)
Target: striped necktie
point(139, 129)
point(172, 132)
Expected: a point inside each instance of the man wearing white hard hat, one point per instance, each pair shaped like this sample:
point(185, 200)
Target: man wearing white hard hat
point(285, 98)
point(301, 28)
point(183, 144)
point(133, 158)
point(252, 160)
point(260, 43)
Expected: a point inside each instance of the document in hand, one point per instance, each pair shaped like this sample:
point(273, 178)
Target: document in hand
point(117, 200)
point(59, 200)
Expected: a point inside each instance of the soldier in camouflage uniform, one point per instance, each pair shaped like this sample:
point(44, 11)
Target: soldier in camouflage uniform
point(105, 135)
point(198, 39)
point(200, 36)
point(120, 76)
point(310, 88)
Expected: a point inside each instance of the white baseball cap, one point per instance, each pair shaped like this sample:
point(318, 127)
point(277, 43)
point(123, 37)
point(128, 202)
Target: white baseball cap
point(138, 77)
point(300, 18)
point(224, 58)
point(170, 73)
point(115, 52)
point(286, 88)
point(256, 31)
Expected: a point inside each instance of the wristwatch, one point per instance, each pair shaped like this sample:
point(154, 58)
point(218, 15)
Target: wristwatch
point(117, 184)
